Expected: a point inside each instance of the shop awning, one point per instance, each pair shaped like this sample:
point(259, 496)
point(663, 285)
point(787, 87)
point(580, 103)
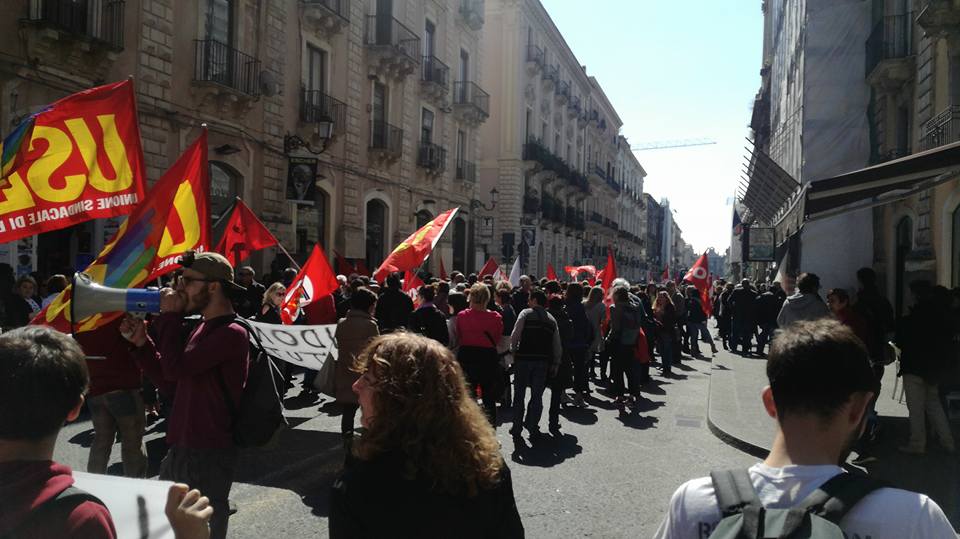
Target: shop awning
point(881, 184)
point(766, 187)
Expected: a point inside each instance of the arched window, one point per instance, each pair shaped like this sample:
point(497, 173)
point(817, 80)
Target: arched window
point(904, 243)
point(376, 233)
point(459, 244)
point(423, 217)
point(224, 188)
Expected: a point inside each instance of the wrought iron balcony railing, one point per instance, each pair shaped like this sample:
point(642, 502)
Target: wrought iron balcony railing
point(100, 21)
point(219, 63)
point(531, 204)
point(434, 71)
point(384, 31)
point(470, 94)
point(535, 54)
point(432, 157)
point(340, 8)
point(892, 37)
point(943, 129)
point(316, 106)
point(386, 138)
point(466, 171)
point(551, 73)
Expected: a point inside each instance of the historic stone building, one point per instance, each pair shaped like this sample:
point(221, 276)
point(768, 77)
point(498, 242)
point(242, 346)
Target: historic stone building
point(375, 106)
point(567, 184)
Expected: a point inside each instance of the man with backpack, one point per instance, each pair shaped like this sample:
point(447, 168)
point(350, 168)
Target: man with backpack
point(208, 366)
point(800, 490)
point(537, 351)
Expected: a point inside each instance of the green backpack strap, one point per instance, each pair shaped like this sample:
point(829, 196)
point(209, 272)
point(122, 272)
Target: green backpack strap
point(736, 495)
point(839, 494)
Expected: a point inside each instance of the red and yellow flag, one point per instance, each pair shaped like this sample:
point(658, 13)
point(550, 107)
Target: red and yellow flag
point(174, 218)
point(77, 159)
point(415, 249)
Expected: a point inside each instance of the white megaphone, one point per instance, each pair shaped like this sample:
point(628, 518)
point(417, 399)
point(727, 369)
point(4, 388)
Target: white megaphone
point(90, 298)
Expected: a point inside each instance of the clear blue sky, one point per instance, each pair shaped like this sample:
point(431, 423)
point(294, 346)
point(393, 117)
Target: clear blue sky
point(676, 70)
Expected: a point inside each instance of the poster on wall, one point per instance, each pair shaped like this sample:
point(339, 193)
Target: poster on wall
point(26, 256)
point(302, 180)
point(761, 246)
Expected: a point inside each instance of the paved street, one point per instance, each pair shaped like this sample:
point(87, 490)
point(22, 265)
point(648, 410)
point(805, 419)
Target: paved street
point(607, 476)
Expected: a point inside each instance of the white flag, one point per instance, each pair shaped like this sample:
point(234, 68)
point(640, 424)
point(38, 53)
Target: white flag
point(515, 273)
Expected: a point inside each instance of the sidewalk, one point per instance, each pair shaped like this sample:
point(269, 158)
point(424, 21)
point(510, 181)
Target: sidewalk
point(736, 415)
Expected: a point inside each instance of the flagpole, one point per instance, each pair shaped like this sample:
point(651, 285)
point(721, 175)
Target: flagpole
point(294, 262)
point(225, 213)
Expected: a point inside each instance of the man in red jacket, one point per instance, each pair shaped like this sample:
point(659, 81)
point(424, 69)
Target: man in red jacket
point(208, 370)
point(42, 380)
point(114, 399)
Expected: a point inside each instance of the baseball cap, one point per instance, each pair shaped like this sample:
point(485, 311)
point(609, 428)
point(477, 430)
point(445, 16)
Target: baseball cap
point(212, 266)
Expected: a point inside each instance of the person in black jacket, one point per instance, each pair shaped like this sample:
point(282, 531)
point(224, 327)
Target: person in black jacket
point(560, 381)
point(697, 322)
point(427, 320)
point(580, 339)
point(767, 308)
point(393, 307)
point(429, 463)
point(743, 308)
point(924, 338)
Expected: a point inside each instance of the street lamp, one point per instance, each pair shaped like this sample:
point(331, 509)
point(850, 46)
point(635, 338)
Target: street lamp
point(494, 196)
point(292, 143)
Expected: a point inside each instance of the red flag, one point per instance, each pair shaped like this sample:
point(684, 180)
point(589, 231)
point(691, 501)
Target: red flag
point(171, 220)
point(315, 280)
point(573, 271)
point(551, 275)
point(666, 274)
point(489, 268)
point(76, 159)
point(343, 267)
point(412, 251)
point(443, 272)
point(411, 285)
point(609, 272)
point(699, 276)
point(244, 234)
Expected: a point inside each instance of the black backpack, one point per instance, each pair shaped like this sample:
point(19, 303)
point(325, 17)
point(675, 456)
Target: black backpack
point(258, 418)
point(816, 516)
point(536, 339)
point(71, 497)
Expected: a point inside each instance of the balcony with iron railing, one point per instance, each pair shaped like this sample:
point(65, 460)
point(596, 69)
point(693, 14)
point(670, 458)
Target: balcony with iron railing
point(316, 107)
point(329, 16)
point(593, 116)
point(395, 48)
point(595, 217)
point(547, 203)
point(223, 65)
point(551, 75)
point(573, 106)
point(563, 92)
point(943, 129)
point(471, 103)
point(531, 204)
point(534, 57)
point(432, 157)
point(534, 150)
point(100, 22)
point(472, 13)
point(433, 71)
point(386, 140)
point(889, 49)
point(466, 171)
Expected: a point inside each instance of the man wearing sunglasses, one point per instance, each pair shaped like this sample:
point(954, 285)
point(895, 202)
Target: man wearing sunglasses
point(202, 374)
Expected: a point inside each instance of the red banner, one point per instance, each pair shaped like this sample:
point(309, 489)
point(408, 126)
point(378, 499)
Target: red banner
point(416, 248)
point(76, 160)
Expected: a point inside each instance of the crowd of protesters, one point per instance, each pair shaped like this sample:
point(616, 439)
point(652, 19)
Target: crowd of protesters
point(448, 361)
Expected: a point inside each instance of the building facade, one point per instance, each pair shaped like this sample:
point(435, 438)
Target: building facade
point(347, 123)
point(654, 259)
point(567, 182)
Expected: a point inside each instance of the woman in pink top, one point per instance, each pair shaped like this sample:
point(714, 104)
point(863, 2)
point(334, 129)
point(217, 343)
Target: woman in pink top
point(477, 332)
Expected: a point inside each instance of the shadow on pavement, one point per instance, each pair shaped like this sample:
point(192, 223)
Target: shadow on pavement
point(304, 461)
point(546, 450)
point(83, 439)
point(581, 416)
point(639, 422)
point(305, 399)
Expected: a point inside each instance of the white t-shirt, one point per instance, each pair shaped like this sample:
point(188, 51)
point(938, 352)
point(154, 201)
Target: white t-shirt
point(886, 513)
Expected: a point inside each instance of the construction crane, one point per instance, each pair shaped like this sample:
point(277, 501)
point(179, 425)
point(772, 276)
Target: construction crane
point(663, 144)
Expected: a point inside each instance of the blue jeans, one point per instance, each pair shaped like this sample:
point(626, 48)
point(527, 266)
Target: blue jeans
point(532, 374)
point(666, 351)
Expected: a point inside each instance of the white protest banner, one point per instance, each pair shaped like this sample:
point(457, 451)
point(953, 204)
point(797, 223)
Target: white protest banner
point(136, 505)
point(307, 346)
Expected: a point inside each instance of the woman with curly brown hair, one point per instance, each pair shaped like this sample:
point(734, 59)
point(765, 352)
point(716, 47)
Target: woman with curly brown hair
point(429, 463)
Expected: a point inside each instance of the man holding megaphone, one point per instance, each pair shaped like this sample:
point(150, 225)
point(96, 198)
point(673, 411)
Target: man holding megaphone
point(211, 366)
